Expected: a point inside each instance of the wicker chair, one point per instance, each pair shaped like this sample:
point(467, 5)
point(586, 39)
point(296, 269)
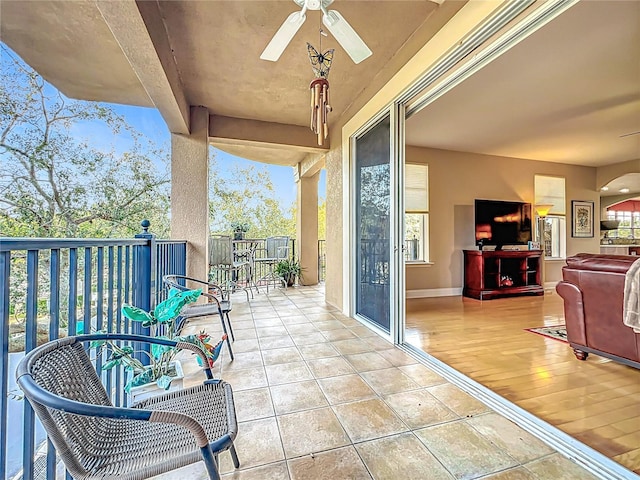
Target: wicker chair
point(97, 440)
point(218, 304)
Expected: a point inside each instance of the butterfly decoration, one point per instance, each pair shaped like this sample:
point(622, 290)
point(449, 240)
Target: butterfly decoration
point(320, 62)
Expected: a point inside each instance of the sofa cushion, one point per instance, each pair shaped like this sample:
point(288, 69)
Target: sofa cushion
point(601, 263)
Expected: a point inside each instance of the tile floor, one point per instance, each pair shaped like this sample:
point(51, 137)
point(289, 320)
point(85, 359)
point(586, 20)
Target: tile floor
point(319, 396)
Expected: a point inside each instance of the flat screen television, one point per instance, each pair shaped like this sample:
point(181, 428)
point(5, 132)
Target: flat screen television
point(502, 223)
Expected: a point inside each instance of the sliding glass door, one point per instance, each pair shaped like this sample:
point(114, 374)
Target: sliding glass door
point(375, 225)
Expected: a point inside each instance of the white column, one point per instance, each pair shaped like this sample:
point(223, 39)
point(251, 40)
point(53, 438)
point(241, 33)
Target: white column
point(190, 192)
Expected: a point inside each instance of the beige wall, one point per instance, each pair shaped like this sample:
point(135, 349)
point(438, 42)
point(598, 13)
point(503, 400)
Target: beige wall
point(440, 35)
point(456, 179)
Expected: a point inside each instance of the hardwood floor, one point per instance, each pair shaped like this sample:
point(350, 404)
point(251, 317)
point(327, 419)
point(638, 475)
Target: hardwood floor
point(596, 401)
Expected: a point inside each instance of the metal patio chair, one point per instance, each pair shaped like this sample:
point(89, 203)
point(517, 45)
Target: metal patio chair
point(224, 266)
point(97, 440)
point(217, 304)
point(276, 249)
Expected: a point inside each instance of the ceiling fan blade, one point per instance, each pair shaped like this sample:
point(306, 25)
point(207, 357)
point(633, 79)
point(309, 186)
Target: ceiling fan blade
point(346, 36)
point(283, 36)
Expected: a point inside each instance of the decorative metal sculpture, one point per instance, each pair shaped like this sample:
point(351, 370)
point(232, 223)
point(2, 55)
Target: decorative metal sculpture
point(320, 108)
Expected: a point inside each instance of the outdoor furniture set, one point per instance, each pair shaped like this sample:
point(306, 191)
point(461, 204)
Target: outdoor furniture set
point(98, 440)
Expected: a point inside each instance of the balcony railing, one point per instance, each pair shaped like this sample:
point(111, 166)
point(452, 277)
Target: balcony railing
point(56, 287)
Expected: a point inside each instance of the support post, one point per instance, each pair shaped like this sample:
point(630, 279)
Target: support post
point(307, 227)
point(190, 192)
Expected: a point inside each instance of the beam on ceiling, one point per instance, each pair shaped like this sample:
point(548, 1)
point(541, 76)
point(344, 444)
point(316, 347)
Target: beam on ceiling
point(240, 131)
point(139, 30)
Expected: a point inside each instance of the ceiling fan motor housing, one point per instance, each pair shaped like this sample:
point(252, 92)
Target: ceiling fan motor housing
point(314, 4)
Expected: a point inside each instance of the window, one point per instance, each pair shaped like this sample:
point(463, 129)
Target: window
point(551, 191)
point(629, 226)
point(416, 219)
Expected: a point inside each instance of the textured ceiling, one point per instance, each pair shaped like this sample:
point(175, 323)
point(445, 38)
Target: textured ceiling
point(217, 46)
point(565, 94)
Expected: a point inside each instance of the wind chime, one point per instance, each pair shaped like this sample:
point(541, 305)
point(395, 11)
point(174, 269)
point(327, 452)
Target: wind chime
point(320, 108)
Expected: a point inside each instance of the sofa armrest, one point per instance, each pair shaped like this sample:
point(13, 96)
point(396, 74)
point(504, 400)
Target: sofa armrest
point(573, 312)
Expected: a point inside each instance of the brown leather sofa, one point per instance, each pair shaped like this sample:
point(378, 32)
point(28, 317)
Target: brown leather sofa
point(593, 293)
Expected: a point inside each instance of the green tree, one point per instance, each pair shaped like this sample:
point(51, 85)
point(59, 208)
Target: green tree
point(247, 194)
point(54, 185)
point(322, 220)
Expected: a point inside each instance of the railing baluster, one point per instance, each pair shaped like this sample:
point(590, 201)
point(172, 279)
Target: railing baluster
point(73, 292)
point(5, 272)
point(31, 327)
point(127, 283)
point(87, 290)
point(54, 329)
point(99, 300)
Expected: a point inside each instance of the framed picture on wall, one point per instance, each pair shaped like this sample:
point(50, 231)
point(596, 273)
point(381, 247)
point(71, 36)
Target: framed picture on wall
point(581, 218)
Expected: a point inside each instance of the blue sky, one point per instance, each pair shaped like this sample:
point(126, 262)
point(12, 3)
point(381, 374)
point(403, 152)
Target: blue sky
point(149, 123)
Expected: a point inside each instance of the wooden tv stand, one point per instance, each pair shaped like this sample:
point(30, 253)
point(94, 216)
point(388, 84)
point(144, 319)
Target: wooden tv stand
point(502, 273)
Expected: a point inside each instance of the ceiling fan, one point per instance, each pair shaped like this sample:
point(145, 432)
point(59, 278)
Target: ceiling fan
point(333, 20)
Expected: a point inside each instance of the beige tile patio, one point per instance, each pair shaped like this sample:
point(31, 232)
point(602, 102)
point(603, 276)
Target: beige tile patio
point(253, 404)
point(288, 373)
point(352, 346)
point(341, 463)
point(247, 345)
point(308, 338)
point(338, 334)
point(422, 375)
point(463, 451)
point(329, 367)
point(401, 457)
point(397, 357)
point(281, 355)
point(365, 362)
point(318, 350)
point(275, 471)
point(293, 397)
point(268, 322)
point(460, 402)
point(267, 343)
point(301, 328)
point(242, 360)
point(519, 473)
point(389, 380)
point(258, 443)
point(327, 325)
point(557, 467)
point(418, 408)
point(514, 440)
point(345, 388)
point(246, 379)
point(311, 431)
point(271, 331)
point(368, 419)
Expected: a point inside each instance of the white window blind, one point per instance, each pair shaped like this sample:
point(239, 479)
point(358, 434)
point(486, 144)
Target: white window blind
point(416, 191)
point(550, 191)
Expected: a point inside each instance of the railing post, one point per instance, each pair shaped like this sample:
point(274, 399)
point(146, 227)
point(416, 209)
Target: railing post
point(143, 279)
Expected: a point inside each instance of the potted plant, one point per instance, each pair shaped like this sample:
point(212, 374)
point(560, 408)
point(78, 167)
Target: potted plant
point(288, 270)
point(163, 372)
point(239, 229)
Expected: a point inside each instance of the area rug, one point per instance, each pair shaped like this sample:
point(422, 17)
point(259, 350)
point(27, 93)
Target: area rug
point(557, 332)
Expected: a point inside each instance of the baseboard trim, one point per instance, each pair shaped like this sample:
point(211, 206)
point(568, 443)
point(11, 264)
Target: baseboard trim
point(583, 455)
point(550, 286)
point(434, 292)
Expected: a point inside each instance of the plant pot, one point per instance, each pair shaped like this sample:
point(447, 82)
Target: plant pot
point(289, 279)
point(138, 394)
point(238, 235)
